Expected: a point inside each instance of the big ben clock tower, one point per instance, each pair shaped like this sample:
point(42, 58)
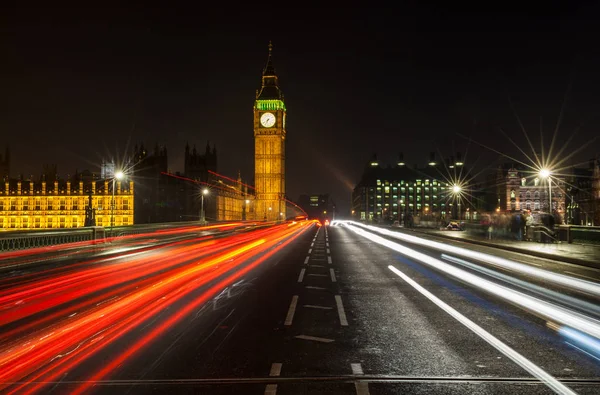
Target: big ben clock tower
point(269, 147)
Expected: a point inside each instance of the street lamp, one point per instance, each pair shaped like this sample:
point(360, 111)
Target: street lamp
point(245, 211)
point(204, 192)
point(456, 191)
point(117, 176)
point(545, 173)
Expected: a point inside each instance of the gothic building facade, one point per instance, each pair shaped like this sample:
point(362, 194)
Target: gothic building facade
point(52, 202)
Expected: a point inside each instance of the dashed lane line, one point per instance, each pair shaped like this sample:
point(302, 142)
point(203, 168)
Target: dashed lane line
point(312, 306)
point(341, 312)
point(306, 260)
point(329, 260)
point(314, 338)
point(356, 368)
point(271, 389)
point(301, 276)
point(291, 311)
point(333, 279)
point(362, 387)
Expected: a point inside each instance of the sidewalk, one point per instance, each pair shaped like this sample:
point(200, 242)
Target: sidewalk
point(579, 254)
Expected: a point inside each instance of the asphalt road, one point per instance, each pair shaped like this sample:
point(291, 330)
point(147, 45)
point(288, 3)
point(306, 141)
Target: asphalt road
point(322, 310)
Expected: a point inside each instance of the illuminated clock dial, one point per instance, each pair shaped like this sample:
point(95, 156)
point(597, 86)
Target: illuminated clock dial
point(267, 120)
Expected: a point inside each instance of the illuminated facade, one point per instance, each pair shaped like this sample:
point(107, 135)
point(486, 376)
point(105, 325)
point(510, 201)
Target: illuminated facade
point(522, 191)
point(62, 204)
point(232, 200)
point(269, 147)
point(386, 194)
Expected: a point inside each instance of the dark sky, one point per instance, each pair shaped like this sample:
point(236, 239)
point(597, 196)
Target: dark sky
point(80, 84)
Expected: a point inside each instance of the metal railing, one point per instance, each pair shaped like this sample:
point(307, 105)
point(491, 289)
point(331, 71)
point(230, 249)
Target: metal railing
point(21, 240)
point(24, 239)
point(579, 234)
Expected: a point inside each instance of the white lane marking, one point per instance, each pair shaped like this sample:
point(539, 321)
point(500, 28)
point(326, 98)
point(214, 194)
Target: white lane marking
point(326, 244)
point(519, 359)
point(329, 260)
point(290, 314)
point(328, 251)
point(275, 370)
point(581, 275)
point(312, 244)
point(362, 388)
point(312, 306)
point(310, 250)
point(333, 279)
point(301, 276)
point(341, 312)
point(356, 368)
point(317, 339)
point(318, 275)
point(306, 260)
point(271, 389)
point(317, 266)
point(311, 287)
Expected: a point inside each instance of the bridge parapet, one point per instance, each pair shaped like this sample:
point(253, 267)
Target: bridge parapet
point(25, 239)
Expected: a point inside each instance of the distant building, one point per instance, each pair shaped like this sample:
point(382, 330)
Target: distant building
point(583, 195)
point(158, 198)
point(319, 207)
point(520, 189)
point(386, 194)
point(162, 196)
point(58, 203)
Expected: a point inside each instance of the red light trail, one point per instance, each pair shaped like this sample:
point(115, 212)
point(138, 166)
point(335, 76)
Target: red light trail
point(52, 324)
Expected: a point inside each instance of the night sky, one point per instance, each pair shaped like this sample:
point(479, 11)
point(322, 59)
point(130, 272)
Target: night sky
point(81, 84)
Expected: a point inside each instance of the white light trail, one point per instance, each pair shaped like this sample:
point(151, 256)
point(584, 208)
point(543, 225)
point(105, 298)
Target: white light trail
point(519, 359)
point(556, 278)
point(539, 307)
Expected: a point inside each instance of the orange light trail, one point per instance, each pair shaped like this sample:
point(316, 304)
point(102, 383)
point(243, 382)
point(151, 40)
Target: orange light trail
point(87, 309)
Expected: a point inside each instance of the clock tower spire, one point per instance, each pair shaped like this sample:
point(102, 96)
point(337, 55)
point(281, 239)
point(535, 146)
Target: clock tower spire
point(269, 146)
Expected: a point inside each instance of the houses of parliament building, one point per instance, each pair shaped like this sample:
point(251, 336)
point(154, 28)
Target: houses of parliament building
point(86, 198)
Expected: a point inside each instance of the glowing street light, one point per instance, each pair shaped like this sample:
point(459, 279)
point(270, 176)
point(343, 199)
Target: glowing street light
point(456, 189)
point(117, 176)
point(545, 173)
point(204, 192)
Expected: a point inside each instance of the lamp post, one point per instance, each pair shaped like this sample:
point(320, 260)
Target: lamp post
point(456, 191)
point(245, 213)
point(545, 173)
point(117, 176)
point(204, 192)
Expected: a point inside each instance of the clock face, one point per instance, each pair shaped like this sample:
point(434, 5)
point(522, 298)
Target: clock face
point(267, 120)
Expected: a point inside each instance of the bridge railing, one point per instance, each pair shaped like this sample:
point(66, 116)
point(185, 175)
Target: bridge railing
point(21, 240)
point(24, 239)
